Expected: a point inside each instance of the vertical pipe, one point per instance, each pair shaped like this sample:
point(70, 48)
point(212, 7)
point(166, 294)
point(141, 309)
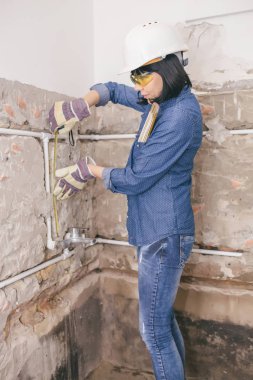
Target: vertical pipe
point(45, 139)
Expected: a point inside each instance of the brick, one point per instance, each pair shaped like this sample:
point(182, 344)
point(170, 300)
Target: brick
point(248, 243)
point(16, 148)
point(236, 184)
point(8, 108)
point(206, 109)
point(22, 103)
point(36, 113)
point(245, 101)
point(197, 207)
point(3, 177)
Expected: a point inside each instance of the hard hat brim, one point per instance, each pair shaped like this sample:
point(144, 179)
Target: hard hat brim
point(126, 69)
point(129, 68)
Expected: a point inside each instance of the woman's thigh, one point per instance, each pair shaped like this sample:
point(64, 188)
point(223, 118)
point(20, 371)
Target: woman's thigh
point(160, 266)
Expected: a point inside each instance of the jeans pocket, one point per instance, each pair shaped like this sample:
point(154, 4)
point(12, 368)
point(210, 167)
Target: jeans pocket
point(186, 244)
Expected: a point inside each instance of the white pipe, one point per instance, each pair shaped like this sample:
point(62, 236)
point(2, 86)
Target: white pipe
point(65, 255)
point(116, 242)
point(219, 15)
point(217, 253)
point(106, 137)
point(241, 131)
point(45, 141)
point(202, 251)
point(132, 136)
point(45, 137)
point(50, 243)
point(215, 93)
point(236, 132)
point(20, 132)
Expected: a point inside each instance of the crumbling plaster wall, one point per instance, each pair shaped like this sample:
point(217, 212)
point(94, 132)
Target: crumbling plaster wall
point(50, 323)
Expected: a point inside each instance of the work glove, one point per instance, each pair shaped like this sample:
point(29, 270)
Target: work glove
point(73, 178)
point(64, 115)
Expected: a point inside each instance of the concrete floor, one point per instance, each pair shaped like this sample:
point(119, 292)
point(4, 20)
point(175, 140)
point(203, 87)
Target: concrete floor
point(107, 371)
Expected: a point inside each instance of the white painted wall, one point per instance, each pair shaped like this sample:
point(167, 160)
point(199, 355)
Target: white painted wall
point(67, 45)
point(48, 43)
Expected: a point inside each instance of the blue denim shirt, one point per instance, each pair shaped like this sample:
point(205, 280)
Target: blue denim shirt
point(157, 176)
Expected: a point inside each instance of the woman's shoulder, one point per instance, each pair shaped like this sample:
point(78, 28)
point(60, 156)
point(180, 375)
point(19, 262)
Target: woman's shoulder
point(185, 104)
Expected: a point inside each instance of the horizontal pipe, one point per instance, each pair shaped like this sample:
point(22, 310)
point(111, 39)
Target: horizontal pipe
point(216, 93)
point(219, 15)
point(114, 242)
point(41, 135)
point(106, 137)
point(236, 132)
point(21, 132)
point(66, 254)
point(202, 251)
point(241, 131)
point(132, 136)
point(50, 243)
point(216, 253)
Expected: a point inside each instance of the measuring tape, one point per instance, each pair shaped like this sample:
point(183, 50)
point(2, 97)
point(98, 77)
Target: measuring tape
point(149, 123)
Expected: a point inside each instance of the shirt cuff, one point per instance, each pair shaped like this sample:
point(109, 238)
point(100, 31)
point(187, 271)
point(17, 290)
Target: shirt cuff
point(106, 176)
point(104, 94)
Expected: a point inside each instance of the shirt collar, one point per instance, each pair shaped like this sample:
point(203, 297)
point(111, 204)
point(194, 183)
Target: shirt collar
point(172, 101)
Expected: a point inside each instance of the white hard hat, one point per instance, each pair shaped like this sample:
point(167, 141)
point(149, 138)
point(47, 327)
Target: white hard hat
point(148, 41)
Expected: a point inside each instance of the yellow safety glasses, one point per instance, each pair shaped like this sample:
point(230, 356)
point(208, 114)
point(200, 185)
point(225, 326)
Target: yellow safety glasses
point(141, 79)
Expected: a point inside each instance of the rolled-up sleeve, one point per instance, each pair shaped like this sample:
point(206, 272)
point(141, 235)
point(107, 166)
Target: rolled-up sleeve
point(106, 174)
point(118, 94)
point(155, 158)
point(104, 94)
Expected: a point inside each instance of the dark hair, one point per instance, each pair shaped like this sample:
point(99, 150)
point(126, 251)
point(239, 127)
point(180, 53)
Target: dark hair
point(173, 75)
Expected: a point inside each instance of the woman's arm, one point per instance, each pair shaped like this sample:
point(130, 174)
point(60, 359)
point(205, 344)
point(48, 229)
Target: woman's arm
point(96, 170)
point(92, 98)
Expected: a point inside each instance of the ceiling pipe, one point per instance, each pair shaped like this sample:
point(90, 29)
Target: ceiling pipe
point(219, 15)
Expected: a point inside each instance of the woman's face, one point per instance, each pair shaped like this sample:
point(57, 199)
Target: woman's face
point(153, 89)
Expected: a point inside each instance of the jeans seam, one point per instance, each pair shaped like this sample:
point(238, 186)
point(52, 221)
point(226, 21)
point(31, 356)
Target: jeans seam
point(159, 356)
point(181, 263)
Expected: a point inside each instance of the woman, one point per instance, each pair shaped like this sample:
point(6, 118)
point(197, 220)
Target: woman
point(156, 179)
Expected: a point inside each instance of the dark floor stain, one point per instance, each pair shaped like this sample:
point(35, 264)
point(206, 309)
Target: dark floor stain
point(217, 351)
point(81, 330)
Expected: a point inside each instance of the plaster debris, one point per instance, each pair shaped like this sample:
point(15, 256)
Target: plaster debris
point(216, 131)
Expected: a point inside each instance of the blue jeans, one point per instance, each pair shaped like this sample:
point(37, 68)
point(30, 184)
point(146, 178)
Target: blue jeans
point(160, 267)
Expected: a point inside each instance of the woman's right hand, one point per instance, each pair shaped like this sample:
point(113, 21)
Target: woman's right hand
point(72, 178)
point(64, 115)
